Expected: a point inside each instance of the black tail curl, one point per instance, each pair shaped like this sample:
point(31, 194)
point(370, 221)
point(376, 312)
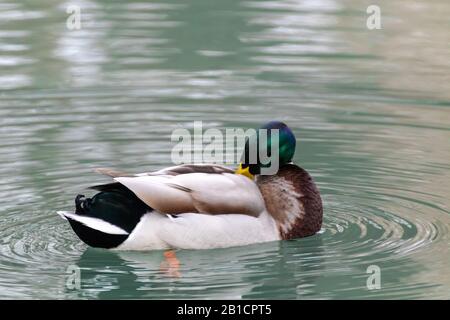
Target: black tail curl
point(118, 206)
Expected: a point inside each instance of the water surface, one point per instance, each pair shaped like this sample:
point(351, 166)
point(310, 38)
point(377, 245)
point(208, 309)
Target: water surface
point(370, 109)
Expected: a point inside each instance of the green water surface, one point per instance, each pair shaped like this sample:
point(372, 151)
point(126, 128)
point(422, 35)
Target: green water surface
point(370, 109)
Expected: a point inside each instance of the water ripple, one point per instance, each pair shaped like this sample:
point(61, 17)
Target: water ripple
point(369, 109)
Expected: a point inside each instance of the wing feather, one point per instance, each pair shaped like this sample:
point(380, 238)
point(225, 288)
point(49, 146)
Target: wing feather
point(197, 192)
point(202, 188)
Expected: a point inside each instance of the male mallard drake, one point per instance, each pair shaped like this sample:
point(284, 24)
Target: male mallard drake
point(201, 206)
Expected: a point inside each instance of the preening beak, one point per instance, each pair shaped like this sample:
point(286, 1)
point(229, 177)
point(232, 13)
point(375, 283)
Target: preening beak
point(244, 171)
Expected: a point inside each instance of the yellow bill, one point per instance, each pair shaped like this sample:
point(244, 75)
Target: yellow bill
point(244, 171)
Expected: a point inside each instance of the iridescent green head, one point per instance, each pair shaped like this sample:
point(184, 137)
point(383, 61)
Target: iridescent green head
point(272, 147)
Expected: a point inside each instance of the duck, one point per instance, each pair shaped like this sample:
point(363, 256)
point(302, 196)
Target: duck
point(202, 206)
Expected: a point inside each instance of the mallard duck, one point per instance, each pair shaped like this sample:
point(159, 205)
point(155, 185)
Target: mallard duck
point(201, 206)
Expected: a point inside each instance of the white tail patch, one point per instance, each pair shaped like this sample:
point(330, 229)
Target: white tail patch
point(93, 223)
point(62, 214)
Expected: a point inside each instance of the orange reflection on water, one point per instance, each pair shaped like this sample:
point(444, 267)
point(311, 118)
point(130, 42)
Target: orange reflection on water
point(170, 266)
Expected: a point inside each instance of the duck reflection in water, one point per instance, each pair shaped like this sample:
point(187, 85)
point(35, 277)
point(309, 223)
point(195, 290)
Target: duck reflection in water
point(232, 273)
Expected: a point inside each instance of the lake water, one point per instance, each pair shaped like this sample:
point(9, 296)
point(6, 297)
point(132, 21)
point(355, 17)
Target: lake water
point(370, 109)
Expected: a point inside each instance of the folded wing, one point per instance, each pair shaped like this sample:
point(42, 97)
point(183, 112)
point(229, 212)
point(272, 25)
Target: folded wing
point(195, 189)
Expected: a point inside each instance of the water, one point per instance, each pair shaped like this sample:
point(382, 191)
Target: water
point(370, 108)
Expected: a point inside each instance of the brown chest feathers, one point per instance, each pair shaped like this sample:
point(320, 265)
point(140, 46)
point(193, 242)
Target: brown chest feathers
point(293, 200)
